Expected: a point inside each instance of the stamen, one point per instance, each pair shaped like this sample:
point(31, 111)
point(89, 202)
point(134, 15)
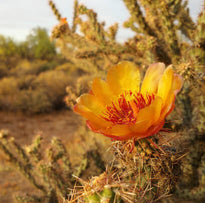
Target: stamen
point(126, 108)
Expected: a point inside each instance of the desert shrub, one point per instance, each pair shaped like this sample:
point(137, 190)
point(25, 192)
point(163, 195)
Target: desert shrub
point(15, 95)
point(47, 66)
point(53, 83)
point(35, 87)
point(3, 71)
point(25, 82)
point(66, 67)
point(33, 101)
point(25, 67)
point(8, 86)
point(74, 72)
point(8, 93)
point(33, 94)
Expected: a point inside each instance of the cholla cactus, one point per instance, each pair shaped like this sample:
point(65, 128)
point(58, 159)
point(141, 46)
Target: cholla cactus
point(142, 169)
point(119, 108)
point(157, 24)
point(158, 38)
point(145, 172)
point(49, 170)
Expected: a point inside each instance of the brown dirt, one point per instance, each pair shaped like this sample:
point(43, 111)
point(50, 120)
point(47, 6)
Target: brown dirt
point(61, 124)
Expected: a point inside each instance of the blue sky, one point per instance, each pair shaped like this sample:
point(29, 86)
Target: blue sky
point(18, 17)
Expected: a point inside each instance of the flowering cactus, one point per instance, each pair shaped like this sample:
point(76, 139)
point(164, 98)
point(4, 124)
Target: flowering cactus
point(120, 109)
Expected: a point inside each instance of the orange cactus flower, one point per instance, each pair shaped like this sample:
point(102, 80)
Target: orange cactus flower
point(119, 108)
point(63, 21)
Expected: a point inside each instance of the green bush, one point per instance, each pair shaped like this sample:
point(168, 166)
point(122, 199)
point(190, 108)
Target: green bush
point(7, 47)
point(40, 45)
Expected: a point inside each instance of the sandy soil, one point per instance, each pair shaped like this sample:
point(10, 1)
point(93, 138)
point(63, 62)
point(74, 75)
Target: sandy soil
point(61, 124)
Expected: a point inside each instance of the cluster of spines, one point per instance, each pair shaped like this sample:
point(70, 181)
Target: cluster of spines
point(144, 173)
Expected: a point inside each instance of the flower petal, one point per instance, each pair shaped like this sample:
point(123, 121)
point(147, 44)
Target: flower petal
point(117, 130)
point(176, 87)
point(152, 77)
point(165, 84)
point(123, 76)
point(102, 91)
point(177, 83)
point(148, 116)
point(91, 108)
point(153, 129)
point(113, 131)
point(124, 137)
point(96, 121)
point(137, 135)
point(91, 102)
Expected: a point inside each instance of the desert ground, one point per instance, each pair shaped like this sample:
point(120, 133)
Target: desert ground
point(23, 128)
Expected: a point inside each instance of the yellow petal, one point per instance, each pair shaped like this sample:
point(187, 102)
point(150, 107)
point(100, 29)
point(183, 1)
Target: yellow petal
point(140, 126)
point(148, 116)
point(165, 84)
point(124, 76)
point(167, 107)
point(153, 129)
point(152, 77)
point(151, 112)
point(91, 102)
point(117, 130)
point(177, 83)
point(169, 103)
point(96, 120)
point(102, 91)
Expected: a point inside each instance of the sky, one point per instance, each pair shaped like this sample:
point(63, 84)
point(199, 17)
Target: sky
point(18, 17)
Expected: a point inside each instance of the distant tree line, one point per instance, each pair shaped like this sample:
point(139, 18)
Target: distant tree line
point(36, 46)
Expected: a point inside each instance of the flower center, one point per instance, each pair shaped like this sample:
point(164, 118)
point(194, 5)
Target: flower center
point(125, 109)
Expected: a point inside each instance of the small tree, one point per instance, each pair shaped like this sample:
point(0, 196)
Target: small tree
point(7, 47)
point(40, 45)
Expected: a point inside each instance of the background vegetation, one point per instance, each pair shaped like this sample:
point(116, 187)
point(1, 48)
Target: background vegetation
point(33, 76)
